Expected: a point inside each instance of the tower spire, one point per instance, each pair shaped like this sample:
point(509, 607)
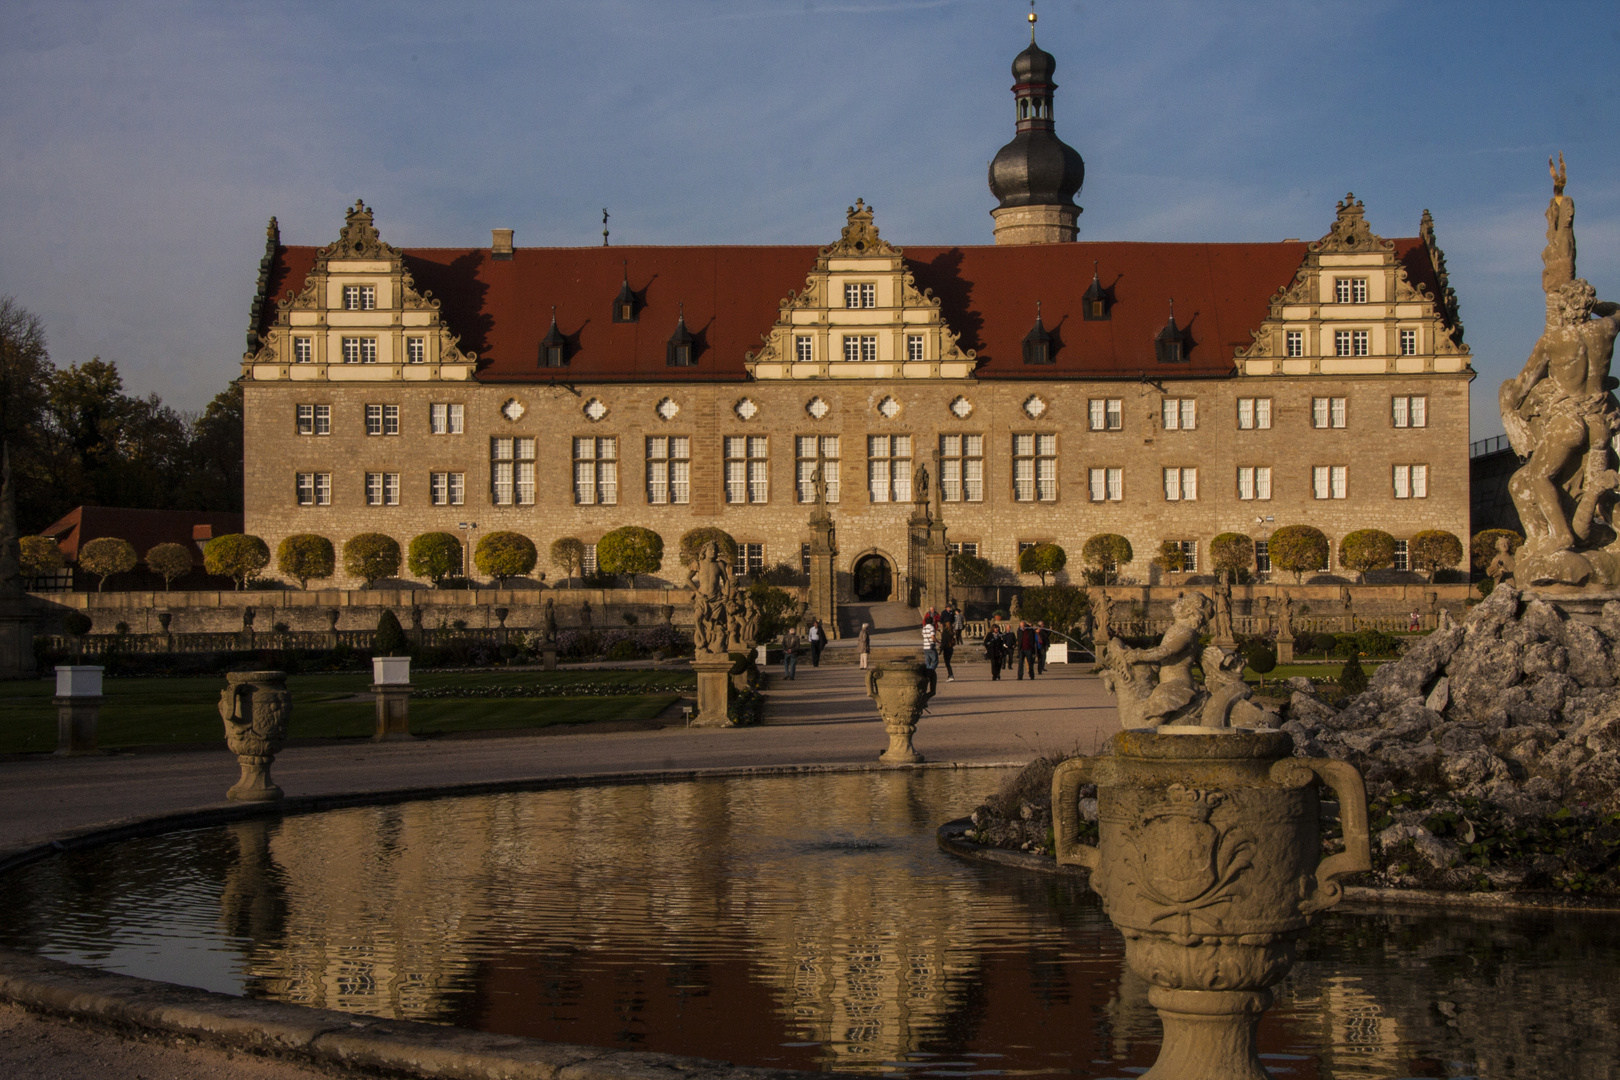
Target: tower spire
point(1036, 176)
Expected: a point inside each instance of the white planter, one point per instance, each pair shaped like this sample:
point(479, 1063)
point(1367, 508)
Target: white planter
point(760, 655)
point(391, 670)
point(78, 681)
point(1057, 652)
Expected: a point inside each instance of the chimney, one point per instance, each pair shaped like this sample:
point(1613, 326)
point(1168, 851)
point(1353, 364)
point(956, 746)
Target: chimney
point(500, 244)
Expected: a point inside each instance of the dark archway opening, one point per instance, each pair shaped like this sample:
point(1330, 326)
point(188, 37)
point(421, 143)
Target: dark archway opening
point(874, 580)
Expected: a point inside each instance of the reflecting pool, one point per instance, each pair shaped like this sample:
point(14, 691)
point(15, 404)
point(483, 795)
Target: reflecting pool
point(799, 922)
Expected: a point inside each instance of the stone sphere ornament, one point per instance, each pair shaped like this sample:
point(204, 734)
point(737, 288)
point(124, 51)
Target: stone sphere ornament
point(901, 689)
point(256, 707)
point(1208, 861)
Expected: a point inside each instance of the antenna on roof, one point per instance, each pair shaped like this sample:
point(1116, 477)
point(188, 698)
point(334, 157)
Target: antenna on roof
point(604, 227)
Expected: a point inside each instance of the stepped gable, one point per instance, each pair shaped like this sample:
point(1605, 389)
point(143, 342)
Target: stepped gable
point(501, 309)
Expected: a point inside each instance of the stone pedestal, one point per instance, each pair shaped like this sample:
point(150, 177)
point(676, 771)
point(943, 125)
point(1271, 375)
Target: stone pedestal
point(1285, 649)
point(76, 719)
point(393, 712)
point(937, 586)
point(822, 601)
point(713, 689)
point(548, 657)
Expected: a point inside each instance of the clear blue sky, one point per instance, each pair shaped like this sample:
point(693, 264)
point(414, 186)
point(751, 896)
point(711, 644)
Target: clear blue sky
point(144, 145)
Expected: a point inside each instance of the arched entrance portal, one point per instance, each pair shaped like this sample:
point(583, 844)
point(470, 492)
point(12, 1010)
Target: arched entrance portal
point(873, 579)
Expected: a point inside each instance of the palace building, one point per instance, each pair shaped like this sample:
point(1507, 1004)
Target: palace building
point(1051, 388)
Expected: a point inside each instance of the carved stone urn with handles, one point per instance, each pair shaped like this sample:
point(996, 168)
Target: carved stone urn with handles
point(1208, 860)
point(901, 689)
point(256, 707)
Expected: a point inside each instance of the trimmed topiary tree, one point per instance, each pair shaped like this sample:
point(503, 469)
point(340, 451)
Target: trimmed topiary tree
point(568, 555)
point(105, 556)
point(169, 560)
point(1299, 549)
point(1105, 553)
point(503, 555)
point(1060, 607)
point(970, 570)
point(1482, 547)
point(1171, 558)
point(38, 556)
point(1042, 559)
point(1352, 677)
point(1433, 550)
point(1232, 553)
point(1367, 549)
point(237, 556)
point(371, 557)
point(630, 550)
point(304, 556)
point(693, 542)
point(435, 556)
point(390, 638)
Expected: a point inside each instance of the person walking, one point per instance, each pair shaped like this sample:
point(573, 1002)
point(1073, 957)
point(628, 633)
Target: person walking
point(818, 641)
point(930, 641)
point(863, 641)
point(1029, 647)
point(1044, 637)
point(995, 650)
point(790, 652)
point(947, 645)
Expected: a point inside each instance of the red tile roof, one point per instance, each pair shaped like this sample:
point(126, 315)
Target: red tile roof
point(501, 309)
point(145, 529)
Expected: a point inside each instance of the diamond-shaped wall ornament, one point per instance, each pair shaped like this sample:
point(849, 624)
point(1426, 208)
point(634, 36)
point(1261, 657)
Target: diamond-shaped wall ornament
point(595, 410)
point(889, 407)
point(961, 407)
point(1034, 407)
point(817, 408)
point(667, 409)
point(746, 409)
point(513, 410)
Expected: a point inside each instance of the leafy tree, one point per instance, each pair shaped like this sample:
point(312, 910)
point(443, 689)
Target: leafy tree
point(505, 554)
point(970, 570)
point(435, 556)
point(1060, 607)
point(236, 555)
point(1171, 558)
point(778, 609)
point(106, 556)
point(630, 550)
point(1105, 553)
point(77, 623)
point(1260, 657)
point(371, 557)
point(1433, 550)
point(390, 637)
point(1233, 553)
point(1299, 549)
point(170, 561)
point(304, 556)
point(1367, 549)
point(25, 379)
point(1482, 548)
point(783, 575)
point(693, 542)
point(568, 554)
point(1042, 559)
point(39, 556)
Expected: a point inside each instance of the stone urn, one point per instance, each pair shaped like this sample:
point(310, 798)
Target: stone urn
point(256, 707)
point(1208, 860)
point(901, 690)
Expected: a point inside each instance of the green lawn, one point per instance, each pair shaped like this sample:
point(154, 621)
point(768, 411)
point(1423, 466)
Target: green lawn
point(143, 712)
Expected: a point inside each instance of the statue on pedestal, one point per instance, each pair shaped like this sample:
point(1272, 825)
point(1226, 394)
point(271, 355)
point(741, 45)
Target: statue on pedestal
point(1559, 413)
point(1155, 686)
point(711, 587)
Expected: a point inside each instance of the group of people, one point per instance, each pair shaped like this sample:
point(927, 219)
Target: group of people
point(1022, 647)
point(941, 630)
point(816, 636)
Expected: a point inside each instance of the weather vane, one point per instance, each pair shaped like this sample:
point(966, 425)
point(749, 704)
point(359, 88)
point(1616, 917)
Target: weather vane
point(1032, 22)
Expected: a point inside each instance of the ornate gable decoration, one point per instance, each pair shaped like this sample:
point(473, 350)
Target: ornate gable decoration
point(1300, 334)
point(860, 316)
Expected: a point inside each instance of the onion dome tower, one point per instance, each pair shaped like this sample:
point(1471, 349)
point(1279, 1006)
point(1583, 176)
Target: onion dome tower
point(1036, 176)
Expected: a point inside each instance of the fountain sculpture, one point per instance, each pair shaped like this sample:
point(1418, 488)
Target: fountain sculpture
point(256, 707)
point(901, 689)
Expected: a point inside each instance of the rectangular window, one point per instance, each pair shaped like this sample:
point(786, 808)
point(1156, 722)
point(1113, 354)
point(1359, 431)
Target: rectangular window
point(1328, 481)
point(306, 419)
point(373, 419)
point(359, 297)
point(669, 470)
point(1181, 484)
point(1403, 559)
point(306, 488)
point(860, 347)
point(802, 350)
point(511, 472)
point(961, 468)
point(448, 488)
point(447, 419)
point(416, 350)
point(965, 547)
point(1411, 481)
point(382, 419)
point(587, 565)
point(750, 560)
point(1180, 414)
point(1341, 343)
point(390, 420)
point(358, 350)
point(812, 452)
point(888, 467)
point(1358, 343)
point(1327, 412)
point(860, 295)
point(1409, 411)
point(382, 489)
point(1254, 413)
point(1262, 556)
point(1035, 468)
point(1107, 485)
point(1107, 414)
point(1350, 290)
point(1189, 555)
point(1254, 482)
point(914, 346)
point(1408, 342)
point(747, 468)
point(303, 351)
point(1296, 342)
point(596, 470)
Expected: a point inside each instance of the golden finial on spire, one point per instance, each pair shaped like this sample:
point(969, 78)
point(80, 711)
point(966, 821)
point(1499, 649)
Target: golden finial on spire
point(1032, 22)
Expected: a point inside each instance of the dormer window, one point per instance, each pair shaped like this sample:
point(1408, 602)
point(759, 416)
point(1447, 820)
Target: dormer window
point(1038, 343)
point(553, 347)
point(1098, 302)
point(625, 306)
point(681, 351)
point(1172, 342)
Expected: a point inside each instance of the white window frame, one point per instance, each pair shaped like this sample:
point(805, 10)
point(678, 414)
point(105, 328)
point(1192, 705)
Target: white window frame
point(915, 347)
point(1254, 483)
point(596, 470)
point(803, 348)
point(416, 350)
point(1350, 290)
point(1408, 340)
point(1411, 481)
point(1035, 467)
point(1403, 556)
point(303, 350)
point(1329, 412)
point(1107, 414)
point(305, 419)
point(888, 468)
point(1409, 411)
point(1329, 481)
point(1262, 556)
point(359, 298)
point(811, 452)
point(1254, 414)
point(961, 467)
point(1180, 484)
point(750, 560)
point(447, 488)
point(1294, 343)
point(1179, 414)
point(1360, 342)
point(1106, 484)
point(747, 472)
point(669, 470)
